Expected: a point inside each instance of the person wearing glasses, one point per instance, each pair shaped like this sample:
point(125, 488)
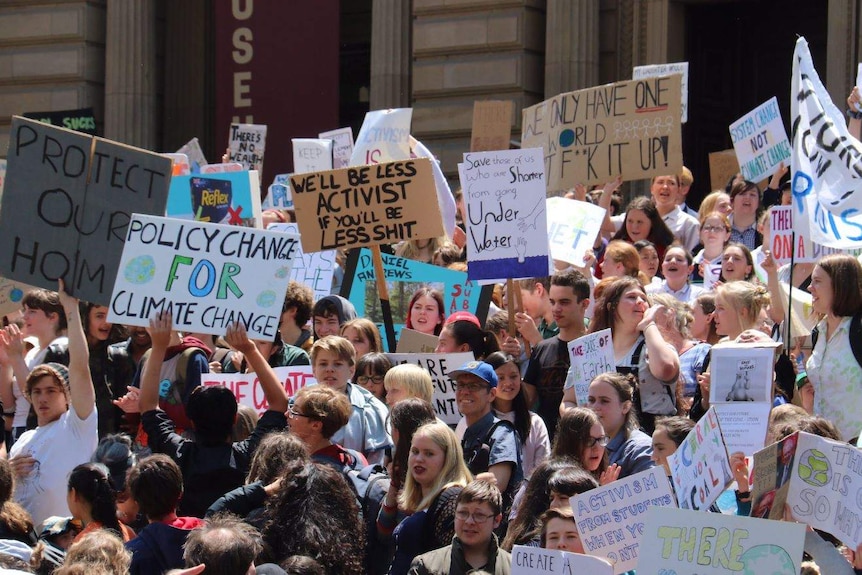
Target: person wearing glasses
point(316, 413)
point(490, 444)
point(371, 370)
point(714, 235)
point(474, 548)
point(581, 436)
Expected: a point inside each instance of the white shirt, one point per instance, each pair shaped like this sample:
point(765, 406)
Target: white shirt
point(685, 227)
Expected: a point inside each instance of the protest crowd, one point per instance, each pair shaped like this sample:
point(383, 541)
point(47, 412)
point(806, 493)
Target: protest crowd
point(676, 362)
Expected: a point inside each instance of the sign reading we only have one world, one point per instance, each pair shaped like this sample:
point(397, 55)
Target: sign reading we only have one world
point(630, 129)
point(67, 203)
point(507, 225)
point(207, 275)
point(367, 205)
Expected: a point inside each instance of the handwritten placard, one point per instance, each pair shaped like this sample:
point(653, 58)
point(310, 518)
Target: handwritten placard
point(760, 141)
point(384, 137)
point(537, 561)
point(248, 391)
point(342, 146)
point(246, 145)
point(629, 129)
point(492, 125)
point(743, 425)
point(438, 365)
point(207, 275)
point(507, 225)
point(610, 518)
point(196, 156)
point(81, 120)
point(11, 295)
point(656, 70)
point(412, 341)
point(231, 198)
point(311, 155)
point(403, 277)
point(366, 205)
point(67, 205)
point(572, 228)
point(741, 372)
point(689, 543)
point(278, 193)
point(589, 356)
point(313, 270)
point(700, 467)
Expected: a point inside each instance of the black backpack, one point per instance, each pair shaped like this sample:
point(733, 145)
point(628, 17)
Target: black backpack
point(855, 337)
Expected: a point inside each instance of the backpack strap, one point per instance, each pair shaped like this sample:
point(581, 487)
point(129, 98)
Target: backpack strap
point(855, 336)
point(636, 356)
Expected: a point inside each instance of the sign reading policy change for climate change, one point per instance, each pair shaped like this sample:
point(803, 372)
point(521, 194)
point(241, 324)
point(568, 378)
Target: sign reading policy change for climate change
point(206, 275)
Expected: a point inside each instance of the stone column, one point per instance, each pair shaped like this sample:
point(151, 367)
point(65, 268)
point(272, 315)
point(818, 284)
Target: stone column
point(130, 73)
point(391, 22)
point(571, 46)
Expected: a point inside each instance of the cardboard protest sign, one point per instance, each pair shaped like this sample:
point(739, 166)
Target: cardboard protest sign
point(231, 198)
point(366, 205)
point(248, 391)
point(438, 365)
point(278, 193)
point(492, 125)
point(688, 543)
point(207, 275)
point(504, 194)
point(342, 146)
point(313, 270)
point(656, 70)
point(412, 341)
point(403, 277)
point(610, 518)
point(222, 168)
point(193, 150)
point(11, 295)
point(246, 145)
point(760, 141)
point(700, 467)
point(537, 561)
point(572, 228)
point(67, 203)
point(311, 155)
point(384, 137)
point(822, 482)
point(723, 165)
point(589, 356)
point(629, 129)
point(81, 120)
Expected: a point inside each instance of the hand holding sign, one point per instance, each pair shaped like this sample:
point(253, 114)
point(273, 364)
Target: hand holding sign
point(237, 338)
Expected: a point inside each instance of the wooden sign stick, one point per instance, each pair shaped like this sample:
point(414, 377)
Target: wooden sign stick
point(511, 305)
point(383, 295)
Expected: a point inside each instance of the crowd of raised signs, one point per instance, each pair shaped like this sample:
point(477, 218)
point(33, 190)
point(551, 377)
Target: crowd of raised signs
point(121, 460)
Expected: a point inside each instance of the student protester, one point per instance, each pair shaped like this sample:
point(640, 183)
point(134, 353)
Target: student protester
point(621, 259)
point(737, 264)
point(316, 414)
point(717, 201)
point(686, 179)
point(535, 321)
point(99, 552)
point(703, 324)
point(745, 200)
point(648, 262)
point(426, 311)
point(463, 332)
point(549, 363)
point(157, 485)
point(15, 523)
point(559, 531)
point(714, 235)
point(665, 194)
point(66, 436)
point(405, 381)
point(581, 438)
point(333, 361)
point(371, 370)
point(227, 545)
point(295, 315)
point(642, 221)
point(364, 336)
point(212, 465)
point(490, 444)
point(329, 313)
point(474, 548)
point(677, 267)
point(276, 352)
point(92, 501)
point(115, 453)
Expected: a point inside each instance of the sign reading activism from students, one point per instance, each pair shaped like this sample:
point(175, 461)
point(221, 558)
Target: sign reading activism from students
point(572, 228)
point(342, 146)
point(246, 144)
point(507, 226)
point(760, 141)
point(439, 365)
point(688, 543)
point(67, 203)
point(827, 176)
point(366, 205)
point(311, 155)
point(248, 391)
point(231, 198)
point(537, 561)
point(629, 129)
point(655, 70)
point(207, 275)
point(312, 270)
point(610, 518)
point(589, 356)
point(403, 277)
point(700, 467)
point(818, 480)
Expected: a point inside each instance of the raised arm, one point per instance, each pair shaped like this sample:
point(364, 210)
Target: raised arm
point(273, 390)
point(160, 334)
point(80, 382)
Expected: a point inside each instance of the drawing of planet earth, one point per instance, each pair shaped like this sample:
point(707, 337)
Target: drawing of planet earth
point(814, 468)
point(766, 560)
point(266, 298)
point(282, 272)
point(140, 270)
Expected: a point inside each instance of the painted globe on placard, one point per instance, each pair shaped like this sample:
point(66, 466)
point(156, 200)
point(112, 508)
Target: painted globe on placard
point(814, 468)
point(266, 298)
point(140, 270)
point(766, 560)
